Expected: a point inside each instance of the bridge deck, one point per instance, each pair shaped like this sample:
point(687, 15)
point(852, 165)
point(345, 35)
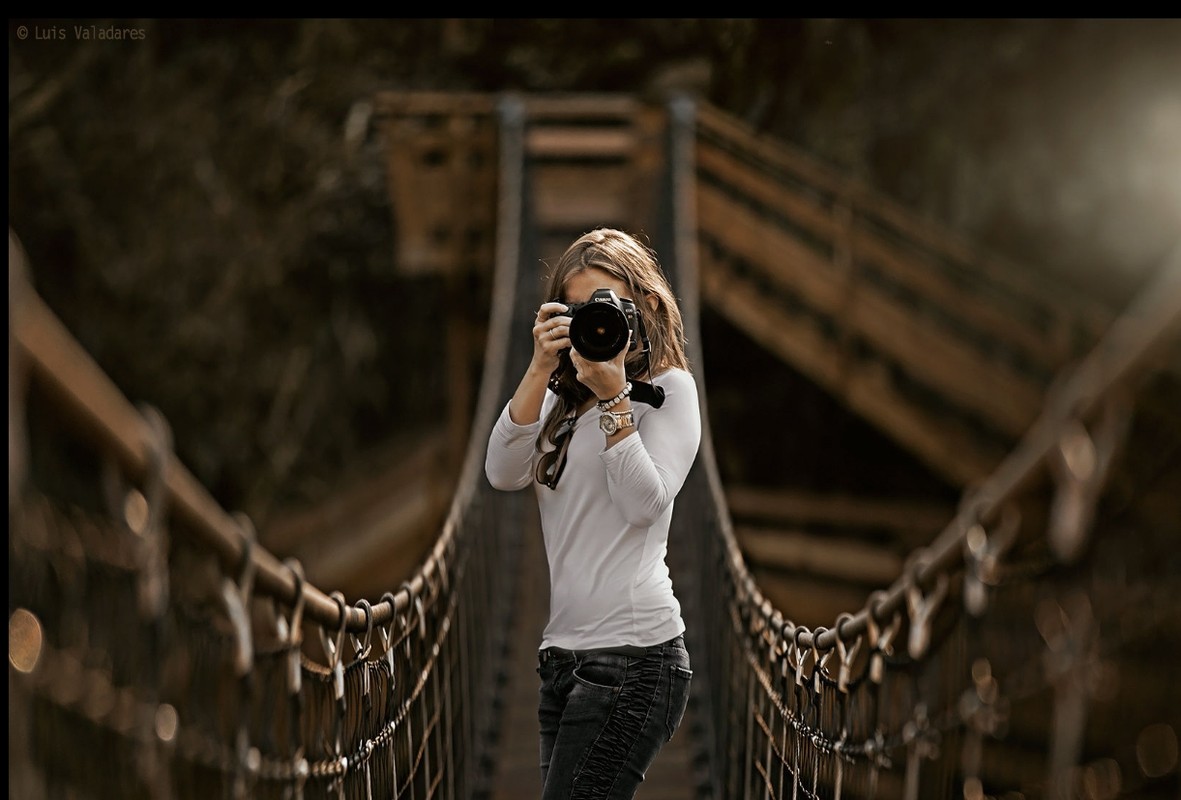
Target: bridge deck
point(516, 775)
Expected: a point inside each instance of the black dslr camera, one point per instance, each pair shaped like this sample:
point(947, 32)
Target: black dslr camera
point(599, 328)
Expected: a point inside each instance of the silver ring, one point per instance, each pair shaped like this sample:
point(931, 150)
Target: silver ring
point(553, 333)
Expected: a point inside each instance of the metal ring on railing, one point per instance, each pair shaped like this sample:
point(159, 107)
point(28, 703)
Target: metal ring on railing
point(361, 648)
point(441, 560)
point(333, 651)
point(921, 608)
point(418, 607)
point(387, 633)
point(982, 554)
point(881, 639)
point(154, 547)
point(295, 628)
point(246, 568)
point(801, 654)
point(845, 654)
point(819, 659)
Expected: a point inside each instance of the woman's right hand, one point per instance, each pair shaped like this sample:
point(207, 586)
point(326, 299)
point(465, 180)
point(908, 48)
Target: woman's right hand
point(551, 335)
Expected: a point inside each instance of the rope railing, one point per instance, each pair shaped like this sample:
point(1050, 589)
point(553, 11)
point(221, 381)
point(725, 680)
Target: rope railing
point(157, 651)
point(861, 705)
point(918, 695)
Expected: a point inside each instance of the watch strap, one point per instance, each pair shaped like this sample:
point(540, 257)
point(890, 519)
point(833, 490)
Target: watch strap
point(619, 420)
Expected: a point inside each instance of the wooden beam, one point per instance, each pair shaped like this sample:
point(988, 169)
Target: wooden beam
point(936, 356)
point(809, 211)
point(1061, 301)
point(580, 142)
point(942, 443)
point(947, 447)
point(588, 106)
point(402, 104)
point(983, 308)
point(581, 196)
point(932, 353)
point(788, 261)
point(842, 558)
point(915, 522)
point(795, 339)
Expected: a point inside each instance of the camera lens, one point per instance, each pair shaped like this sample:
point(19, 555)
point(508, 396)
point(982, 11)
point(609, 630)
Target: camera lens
point(598, 331)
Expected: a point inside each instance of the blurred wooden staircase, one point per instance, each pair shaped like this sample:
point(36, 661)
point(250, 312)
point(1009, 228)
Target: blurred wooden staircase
point(947, 351)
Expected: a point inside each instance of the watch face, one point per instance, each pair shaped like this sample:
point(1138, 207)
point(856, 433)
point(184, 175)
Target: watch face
point(608, 424)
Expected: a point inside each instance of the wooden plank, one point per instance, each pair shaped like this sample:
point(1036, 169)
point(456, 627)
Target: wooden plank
point(581, 197)
point(808, 210)
point(926, 350)
point(1043, 345)
point(933, 356)
point(712, 121)
point(585, 105)
point(577, 142)
point(982, 310)
point(441, 181)
point(584, 213)
point(919, 521)
point(842, 558)
point(783, 257)
point(793, 339)
point(596, 107)
point(946, 447)
point(783, 155)
point(416, 103)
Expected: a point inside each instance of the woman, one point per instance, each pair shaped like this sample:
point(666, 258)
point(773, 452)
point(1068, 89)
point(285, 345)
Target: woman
point(607, 444)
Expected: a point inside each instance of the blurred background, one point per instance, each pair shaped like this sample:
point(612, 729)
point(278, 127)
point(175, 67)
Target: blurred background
point(206, 207)
point(211, 208)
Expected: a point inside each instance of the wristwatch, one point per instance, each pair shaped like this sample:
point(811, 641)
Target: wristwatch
point(612, 422)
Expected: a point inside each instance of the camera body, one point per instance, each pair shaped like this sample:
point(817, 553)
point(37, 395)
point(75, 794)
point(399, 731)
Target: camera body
point(599, 328)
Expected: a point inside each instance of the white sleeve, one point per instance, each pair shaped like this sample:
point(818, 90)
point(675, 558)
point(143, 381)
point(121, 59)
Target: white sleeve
point(509, 461)
point(646, 470)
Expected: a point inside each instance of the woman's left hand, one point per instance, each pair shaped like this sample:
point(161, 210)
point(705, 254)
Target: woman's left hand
point(605, 378)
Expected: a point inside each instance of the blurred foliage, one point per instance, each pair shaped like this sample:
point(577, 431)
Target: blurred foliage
point(206, 208)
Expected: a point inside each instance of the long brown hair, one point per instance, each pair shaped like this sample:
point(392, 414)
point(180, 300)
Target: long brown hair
point(625, 258)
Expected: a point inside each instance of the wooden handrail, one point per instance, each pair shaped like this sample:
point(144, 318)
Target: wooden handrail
point(713, 122)
point(1134, 340)
point(76, 382)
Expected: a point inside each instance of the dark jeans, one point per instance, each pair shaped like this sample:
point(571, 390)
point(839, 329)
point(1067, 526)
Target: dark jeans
point(605, 715)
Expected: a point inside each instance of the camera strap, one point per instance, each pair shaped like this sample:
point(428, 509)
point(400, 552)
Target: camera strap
point(647, 393)
point(642, 392)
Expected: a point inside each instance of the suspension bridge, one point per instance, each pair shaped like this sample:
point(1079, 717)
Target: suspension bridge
point(1021, 644)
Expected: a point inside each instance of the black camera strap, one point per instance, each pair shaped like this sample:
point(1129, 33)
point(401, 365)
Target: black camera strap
point(642, 392)
point(647, 393)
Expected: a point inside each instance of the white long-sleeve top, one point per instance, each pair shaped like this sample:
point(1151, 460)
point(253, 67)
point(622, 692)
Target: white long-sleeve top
point(606, 524)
